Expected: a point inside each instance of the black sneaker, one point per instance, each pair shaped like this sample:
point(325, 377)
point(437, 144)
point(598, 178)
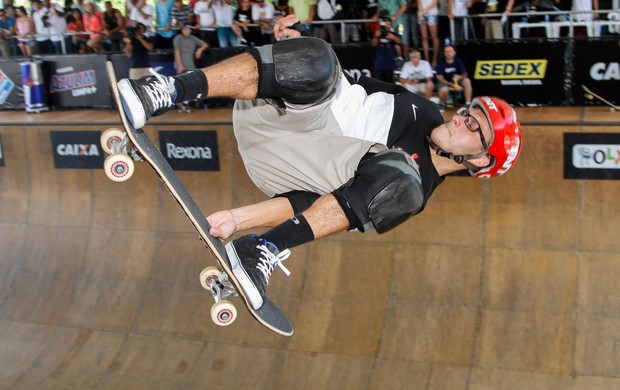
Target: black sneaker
point(252, 261)
point(146, 97)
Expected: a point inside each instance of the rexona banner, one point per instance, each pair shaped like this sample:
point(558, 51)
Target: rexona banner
point(77, 149)
point(190, 150)
point(591, 156)
point(526, 73)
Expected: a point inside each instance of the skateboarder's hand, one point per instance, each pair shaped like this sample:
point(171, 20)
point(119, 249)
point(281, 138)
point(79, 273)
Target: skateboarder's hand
point(223, 224)
point(281, 28)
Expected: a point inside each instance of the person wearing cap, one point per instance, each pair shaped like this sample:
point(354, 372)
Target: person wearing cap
point(332, 153)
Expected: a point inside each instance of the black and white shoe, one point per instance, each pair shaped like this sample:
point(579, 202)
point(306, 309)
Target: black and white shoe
point(253, 261)
point(148, 96)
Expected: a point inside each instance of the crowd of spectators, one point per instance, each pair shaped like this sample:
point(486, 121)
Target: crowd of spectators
point(79, 26)
point(395, 28)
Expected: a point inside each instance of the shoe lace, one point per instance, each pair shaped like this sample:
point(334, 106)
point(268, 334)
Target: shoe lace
point(160, 91)
point(269, 260)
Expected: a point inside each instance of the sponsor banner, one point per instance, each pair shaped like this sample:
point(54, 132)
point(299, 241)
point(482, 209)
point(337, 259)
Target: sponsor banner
point(356, 59)
point(77, 149)
point(592, 156)
point(190, 150)
point(78, 81)
point(35, 97)
point(520, 72)
point(1, 152)
point(11, 90)
point(596, 65)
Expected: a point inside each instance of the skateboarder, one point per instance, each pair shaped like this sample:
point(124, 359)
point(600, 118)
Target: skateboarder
point(335, 154)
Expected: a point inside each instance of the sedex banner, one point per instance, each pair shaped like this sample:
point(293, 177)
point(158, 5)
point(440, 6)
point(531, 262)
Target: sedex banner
point(520, 72)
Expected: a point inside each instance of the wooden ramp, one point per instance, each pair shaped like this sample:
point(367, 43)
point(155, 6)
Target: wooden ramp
point(510, 284)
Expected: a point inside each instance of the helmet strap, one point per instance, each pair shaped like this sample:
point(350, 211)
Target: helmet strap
point(457, 158)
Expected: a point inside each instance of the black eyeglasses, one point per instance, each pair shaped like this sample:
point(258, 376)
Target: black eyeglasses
point(472, 125)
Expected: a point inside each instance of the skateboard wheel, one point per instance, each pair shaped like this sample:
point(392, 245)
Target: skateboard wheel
point(111, 137)
point(209, 275)
point(118, 167)
point(223, 313)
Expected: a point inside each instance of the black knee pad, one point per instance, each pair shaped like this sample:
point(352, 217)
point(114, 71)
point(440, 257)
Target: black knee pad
point(299, 70)
point(385, 191)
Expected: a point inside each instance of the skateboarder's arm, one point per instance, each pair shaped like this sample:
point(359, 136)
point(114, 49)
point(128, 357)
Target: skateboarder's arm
point(269, 213)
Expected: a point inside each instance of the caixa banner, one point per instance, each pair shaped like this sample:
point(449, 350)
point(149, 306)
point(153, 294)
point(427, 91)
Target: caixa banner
point(76, 149)
point(591, 156)
point(519, 72)
point(596, 65)
point(190, 150)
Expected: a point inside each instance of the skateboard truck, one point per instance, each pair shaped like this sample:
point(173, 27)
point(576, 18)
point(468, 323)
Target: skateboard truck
point(118, 165)
point(223, 312)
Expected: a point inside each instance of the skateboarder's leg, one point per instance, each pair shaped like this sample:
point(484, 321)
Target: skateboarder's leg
point(301, 71)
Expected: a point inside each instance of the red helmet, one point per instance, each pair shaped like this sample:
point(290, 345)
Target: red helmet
point(506, 144)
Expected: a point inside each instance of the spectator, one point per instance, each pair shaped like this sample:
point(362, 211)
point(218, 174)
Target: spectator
point(181, 14)
point(187, 49)
point(246, 34)
point(387, 46)
point(130, 5)
point(76, 26)
point(94, 27)
point(224, 17)
point(493, 26)
point(206, 21)
point(163, 22)
point(42, 39)
point(457, 12)
point(24, 25)
point(452, 76)
point(417, 75)
point(113, 24)
point(282, 8)
point(303, 9)
point(428, 18)
point(142, 13)
point(327, 10)
point(263, 13)
point(369, 10)
point(137, 47)
point(393, 9)
point(58, 27)
point(11, 14)
point(411, 29)
point(7, 30)
point(587, 6)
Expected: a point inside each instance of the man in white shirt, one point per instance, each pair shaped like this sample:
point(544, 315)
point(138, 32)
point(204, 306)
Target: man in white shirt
point(39, 16)
point(417, 75)
point(205, 18)
point(144, 15)
point(263, 13)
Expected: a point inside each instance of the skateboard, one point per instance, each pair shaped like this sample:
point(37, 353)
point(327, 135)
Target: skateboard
point(591, 95)
point(129, 145)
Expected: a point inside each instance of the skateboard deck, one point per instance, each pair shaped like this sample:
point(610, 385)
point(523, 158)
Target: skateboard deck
point(591, 95)
point(269, 315)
